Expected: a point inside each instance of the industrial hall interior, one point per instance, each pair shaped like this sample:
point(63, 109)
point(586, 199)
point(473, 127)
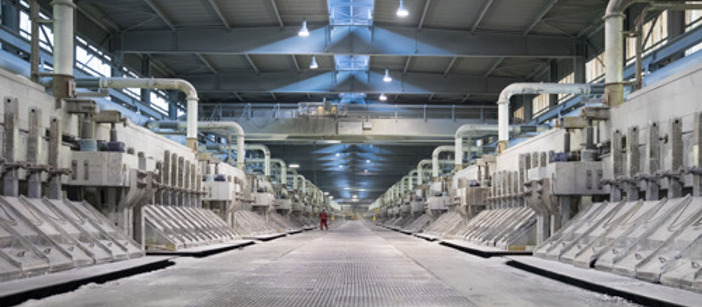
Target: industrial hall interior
point(323, 153)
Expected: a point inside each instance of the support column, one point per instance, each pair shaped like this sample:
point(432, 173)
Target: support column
point(617, 166)
point(10, 19)
point(55, 136)
point(676, 27)
point(117, 55)
point(146, 72)
point(528, 108)
point(11, 142)
point(633, 157)
point(34, 143)
point(553, 77)
point(696, 155)
point(166, 178)
point(172, 104)
point(675, 184)
point(653, 158)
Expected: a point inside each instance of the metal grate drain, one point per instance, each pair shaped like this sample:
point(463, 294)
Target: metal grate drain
point(348, 267)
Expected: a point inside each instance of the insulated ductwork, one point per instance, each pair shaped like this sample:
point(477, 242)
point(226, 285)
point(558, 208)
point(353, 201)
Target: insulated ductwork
point(435, 160)
point(225, 128)
point(162, 84)
point(531, 89)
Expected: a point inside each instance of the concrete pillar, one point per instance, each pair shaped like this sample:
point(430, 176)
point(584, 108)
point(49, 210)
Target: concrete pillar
point(34, 146)
point(11, 142)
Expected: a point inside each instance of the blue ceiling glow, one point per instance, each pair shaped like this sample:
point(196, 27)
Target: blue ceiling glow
point(351, 12)
point(351, 62)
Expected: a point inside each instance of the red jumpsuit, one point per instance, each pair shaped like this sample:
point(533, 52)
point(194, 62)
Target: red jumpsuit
point(323, 221)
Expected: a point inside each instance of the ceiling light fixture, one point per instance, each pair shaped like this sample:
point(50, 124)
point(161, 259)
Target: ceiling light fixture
point(402, 11)
point(387, 78)
point(383, 97)
point(294, 165)
point(303, 30)
point(341, 166)
point(367, 161)
point(313, 64)
point(338, 154)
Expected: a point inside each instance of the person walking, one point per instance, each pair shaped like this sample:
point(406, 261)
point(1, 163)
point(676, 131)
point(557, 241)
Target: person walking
point(323, 220)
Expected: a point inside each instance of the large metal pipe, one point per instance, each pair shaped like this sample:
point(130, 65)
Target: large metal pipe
point(226, 128)
point(266, 158)
point(531, 89)
point(461, 132)
point(435, 159)
point(412, 175)
point(153, 83)
point(614, 51)
point(283, 168)
point(63, 11)
point(303, 182)
point(420, 169)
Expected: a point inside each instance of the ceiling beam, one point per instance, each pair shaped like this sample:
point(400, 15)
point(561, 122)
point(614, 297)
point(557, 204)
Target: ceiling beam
point(297, 65)
point(277, 13)
point(427, 3)
point(219, 14)
point(345, 40)
point(251, 62)
point(207, 63)
point(160, 13)
point(326, 82)
point(450, 65)
point(238, 97)
point(486, 8)
point(407, 64)
point(494, 66)
point(541, 15)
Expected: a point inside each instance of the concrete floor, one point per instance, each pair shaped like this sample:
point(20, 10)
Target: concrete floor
point(354, 265)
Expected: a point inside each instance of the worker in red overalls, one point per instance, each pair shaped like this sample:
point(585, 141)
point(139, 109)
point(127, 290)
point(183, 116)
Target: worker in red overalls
point(323, 220)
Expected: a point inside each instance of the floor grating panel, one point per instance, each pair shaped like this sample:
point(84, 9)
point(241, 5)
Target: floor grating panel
point(350, 266)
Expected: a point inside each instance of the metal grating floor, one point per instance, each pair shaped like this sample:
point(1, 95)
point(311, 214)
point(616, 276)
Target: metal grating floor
point(350, 266)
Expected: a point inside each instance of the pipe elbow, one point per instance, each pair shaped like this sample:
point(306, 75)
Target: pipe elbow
point(187, 88)
point(617, 7)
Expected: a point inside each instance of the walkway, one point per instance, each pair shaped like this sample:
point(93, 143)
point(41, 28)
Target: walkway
point(353, 265)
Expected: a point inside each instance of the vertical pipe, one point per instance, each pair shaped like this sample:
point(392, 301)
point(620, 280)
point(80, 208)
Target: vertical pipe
point(191, 134)
point(458, 157)
point(240, 152)
point(503, 125)
point(63, 47)
point(614, 53)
